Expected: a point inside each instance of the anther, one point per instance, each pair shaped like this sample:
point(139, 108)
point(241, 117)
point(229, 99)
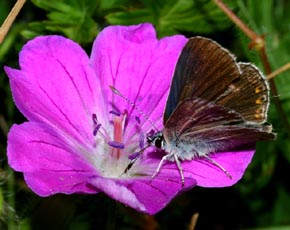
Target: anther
point(115, 113)
point(138, 120)
point(95, 119)
point(116, 145)
point(134, 156)
point(96, 129)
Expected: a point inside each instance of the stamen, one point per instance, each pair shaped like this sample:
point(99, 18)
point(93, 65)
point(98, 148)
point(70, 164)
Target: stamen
point(95, 119)
point(138, 120)
point(151, 133)
point(96, 129)
point(134, 155)
point(115, 112)
point(141, 140)
point(116, 145)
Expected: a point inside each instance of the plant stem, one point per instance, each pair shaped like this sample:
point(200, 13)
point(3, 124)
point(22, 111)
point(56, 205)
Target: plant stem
point(278, 71)
point(10, 19)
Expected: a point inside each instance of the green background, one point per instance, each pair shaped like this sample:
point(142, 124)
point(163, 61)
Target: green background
point(261, 200)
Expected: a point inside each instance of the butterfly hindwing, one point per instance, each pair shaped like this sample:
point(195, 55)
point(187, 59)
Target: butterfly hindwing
point(198, 127)
point(247, 95)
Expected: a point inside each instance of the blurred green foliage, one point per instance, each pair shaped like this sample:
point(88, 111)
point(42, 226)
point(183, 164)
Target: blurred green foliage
point(261, 199)
point(71, 18)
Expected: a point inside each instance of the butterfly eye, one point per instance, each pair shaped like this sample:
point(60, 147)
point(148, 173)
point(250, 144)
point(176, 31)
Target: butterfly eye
point(159, 142)
point(156, 139)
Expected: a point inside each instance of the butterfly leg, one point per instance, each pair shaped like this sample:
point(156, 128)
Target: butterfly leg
point(169, 157)
point(179, 168)
point(165, 158)
point(219, 166)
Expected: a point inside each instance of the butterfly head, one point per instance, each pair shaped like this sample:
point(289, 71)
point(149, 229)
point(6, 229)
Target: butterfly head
point(156, 139)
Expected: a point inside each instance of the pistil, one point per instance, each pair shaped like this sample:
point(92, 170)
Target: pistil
point(116, 144)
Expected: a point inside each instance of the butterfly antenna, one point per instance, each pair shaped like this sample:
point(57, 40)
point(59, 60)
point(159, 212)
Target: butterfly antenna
point(134, 106)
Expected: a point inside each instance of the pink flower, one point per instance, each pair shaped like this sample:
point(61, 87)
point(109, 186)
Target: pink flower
point(79, 134)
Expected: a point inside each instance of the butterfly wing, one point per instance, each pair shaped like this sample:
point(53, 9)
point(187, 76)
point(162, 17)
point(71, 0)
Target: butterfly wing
point(204, 69)
point(208, 71)
point(198, 127)
point(247, 95)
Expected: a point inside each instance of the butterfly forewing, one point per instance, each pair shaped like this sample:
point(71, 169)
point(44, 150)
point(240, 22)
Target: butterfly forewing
point(204, 69)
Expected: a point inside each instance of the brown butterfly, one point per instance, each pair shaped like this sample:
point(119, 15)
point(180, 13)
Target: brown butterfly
point(215, 104)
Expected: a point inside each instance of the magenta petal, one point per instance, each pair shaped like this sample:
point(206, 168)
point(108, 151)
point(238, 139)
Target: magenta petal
point(138, 65)
point(208, 175)
point(145, 195)
point(53, 182)
point(50, 165)
point(56, 85)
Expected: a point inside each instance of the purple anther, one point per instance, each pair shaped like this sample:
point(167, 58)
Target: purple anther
point(98, 126)
point(151, 133)
point(137, 119)
point(115, 112)
point(134, 156)
point(116, 145)
point(141, 140)
point(95, 119)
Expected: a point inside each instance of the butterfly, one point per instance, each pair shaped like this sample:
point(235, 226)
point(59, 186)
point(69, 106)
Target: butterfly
point(214, 104)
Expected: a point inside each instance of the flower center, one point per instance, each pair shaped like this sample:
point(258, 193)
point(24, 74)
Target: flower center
point(113, 147)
